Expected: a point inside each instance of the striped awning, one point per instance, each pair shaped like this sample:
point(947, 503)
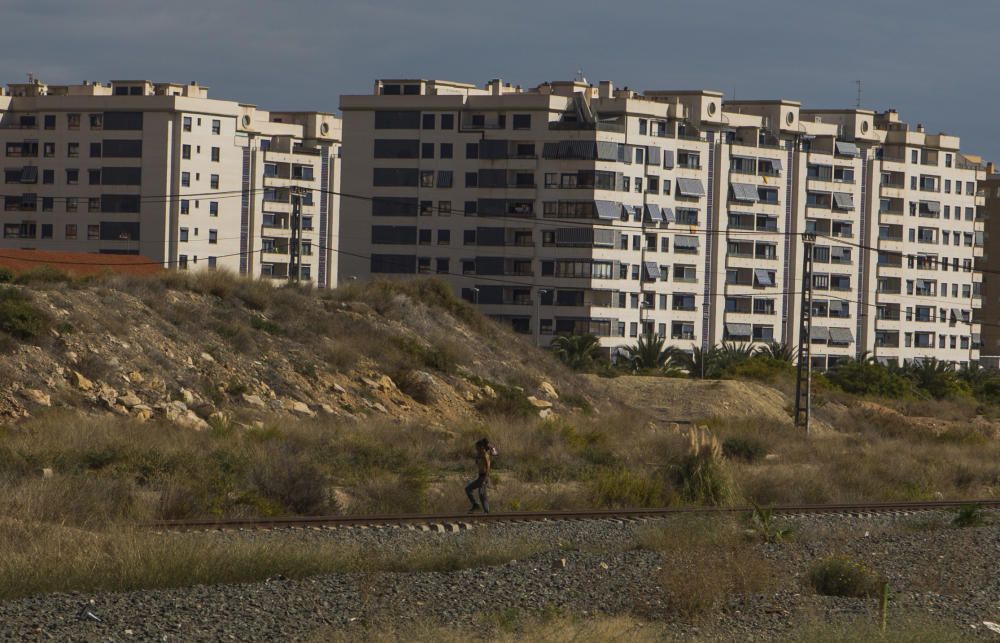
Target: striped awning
point(690, 187)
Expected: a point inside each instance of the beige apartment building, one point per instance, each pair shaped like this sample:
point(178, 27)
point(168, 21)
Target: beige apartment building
point(989, 315)
point(161, 170)
point(569, 208)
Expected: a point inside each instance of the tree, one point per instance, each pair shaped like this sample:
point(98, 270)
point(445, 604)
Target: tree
point(866, 377)
point(648, 353)
point(779, 351)
point(937, 378)
point(698, 363)
point(730, 354)
point(579, 352)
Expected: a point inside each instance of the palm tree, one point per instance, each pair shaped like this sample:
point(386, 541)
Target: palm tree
point(779, 351)
point(731, 353)
point(648, 353)
point(698, 363)
point(936, 377)
point(577, 351)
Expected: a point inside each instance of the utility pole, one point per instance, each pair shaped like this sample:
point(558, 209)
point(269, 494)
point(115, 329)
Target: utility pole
point(803, 380)
point(294, 243)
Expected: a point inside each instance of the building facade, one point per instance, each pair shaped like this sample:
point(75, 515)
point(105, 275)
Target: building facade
point(989, 315)
point(161, 170)
point(569, 208)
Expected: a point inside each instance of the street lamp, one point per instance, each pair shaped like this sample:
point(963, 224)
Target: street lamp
point(475, 296)
point(538, 318)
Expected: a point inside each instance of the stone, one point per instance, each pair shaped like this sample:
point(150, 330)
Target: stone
point(548, 391)
point(539, 404)
point(205, 357)
point(72, 357)
point(327, 409)
point(254, 400)
point(48, 472)
point(546, 414)
point(560, 564)
point(340, 389)
point(191, 421)
point(218, 418)
point(142, 413)
point(129, 399)
point(604, 566)
point(36, 396)
point(80, 381)
point(136, 377)
point(299, 408)
point(489, 392)
point(187, 396)
point(378, 406)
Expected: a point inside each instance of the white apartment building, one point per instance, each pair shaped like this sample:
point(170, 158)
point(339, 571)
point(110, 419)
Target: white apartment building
point(568, 208)
point(161, 170)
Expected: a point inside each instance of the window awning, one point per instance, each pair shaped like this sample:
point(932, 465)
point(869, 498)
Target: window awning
point(607, 151)
point(845, 148)
point(843, 200)
point(651, 269)
point(690, 187)
point(652, 155)
point(841, 335)
point(775, 163)
point(819, 333)
point(29, 174)
point(578, 149)
point(607, 210)
point(685, 241)
point(763, 277)
point(976, 338)
point(668, 215)
point(934, 207)
point(738, 330)
point(745, 192)
point(653, 213)
point(839, 252)
point(668, 159)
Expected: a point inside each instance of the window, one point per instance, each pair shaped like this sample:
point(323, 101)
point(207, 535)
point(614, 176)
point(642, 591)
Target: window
point(96, 121)
point(70, 232)
point(48, 150)
point(94, 177)
point(216, 127)
point(522, 121)
point(48, 177)
point(72, 150)
point(213, 236)
point(447, 121)
point(215, 154)
point(95, 150)
point(185, 151)
point(185, 179)
point(427, 121)
point(213, 208)
point(73, 121)
point(444, 237)
point(47, 203)
point(72, 177)
point(446, 150)
point(444, 179)
point(427, 179)
point(93, 232)
point(185, 206)
point(214, 182)
point(186, 124)
point(184, 234)
point(182, 263)
point(72, 203)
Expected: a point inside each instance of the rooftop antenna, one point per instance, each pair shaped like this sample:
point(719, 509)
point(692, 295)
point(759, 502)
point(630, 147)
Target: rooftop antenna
point(579, 75)
point(31, 77)
point(858, 83)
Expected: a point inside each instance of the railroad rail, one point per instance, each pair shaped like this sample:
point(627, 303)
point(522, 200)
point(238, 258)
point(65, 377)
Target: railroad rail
point(465, 519)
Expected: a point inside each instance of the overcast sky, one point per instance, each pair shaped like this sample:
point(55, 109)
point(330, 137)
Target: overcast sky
point(933, 61)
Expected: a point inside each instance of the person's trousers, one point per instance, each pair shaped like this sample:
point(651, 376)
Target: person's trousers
point(479, 483)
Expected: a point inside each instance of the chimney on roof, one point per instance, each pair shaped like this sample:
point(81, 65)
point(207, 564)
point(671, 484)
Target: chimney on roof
point(920, 127)
point(605, 89)
point(495, 86)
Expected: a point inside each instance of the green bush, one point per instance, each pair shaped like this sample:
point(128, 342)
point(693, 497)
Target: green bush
point(43, 275)
point(509, 401)
point(870, 378)
point(840, 576)
point(759, 367)
point(19, 318)
point(741, 448)
point(6, 275)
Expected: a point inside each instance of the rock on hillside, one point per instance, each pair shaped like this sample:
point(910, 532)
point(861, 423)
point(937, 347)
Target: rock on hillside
point(201, 349)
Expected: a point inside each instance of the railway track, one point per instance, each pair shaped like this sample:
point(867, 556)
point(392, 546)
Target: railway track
point(458, 521)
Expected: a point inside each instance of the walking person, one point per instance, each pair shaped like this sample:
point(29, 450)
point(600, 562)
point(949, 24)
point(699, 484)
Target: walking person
point(484, 460)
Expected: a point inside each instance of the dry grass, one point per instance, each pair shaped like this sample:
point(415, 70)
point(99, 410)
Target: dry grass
point(46, 558)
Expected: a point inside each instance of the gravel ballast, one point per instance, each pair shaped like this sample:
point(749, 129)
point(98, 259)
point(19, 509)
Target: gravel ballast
point(586, 568)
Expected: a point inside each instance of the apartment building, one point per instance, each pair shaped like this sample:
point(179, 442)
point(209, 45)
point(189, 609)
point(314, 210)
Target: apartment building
point(569, 208)
point(989, 315)
point(162, 170)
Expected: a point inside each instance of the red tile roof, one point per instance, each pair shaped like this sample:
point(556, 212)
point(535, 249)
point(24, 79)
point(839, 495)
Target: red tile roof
point(77, 263)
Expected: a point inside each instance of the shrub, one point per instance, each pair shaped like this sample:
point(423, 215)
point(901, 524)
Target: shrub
point(760, 367)
point(43, 275)
point(864, 377)
point(624, 488)
point(702, 576)
point(416, 384)
point(19, 318)
point(509, 401)
point(969, 515)
point(6, 275)
point(840, 576)
point(741, 448)
point(266, 325)
point(705, 480)
point(292, 481)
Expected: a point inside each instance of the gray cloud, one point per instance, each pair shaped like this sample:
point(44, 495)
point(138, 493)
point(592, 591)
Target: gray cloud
point(928, 59)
